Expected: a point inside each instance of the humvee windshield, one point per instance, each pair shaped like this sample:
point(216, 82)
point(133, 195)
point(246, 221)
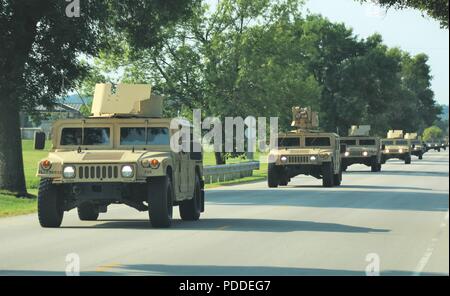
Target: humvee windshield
point(73, 136)
point(401, 142)
point(388, 142)
point(317, 141)
point(289, 142)
point(367, 142)
point(349, 142)
point(136, 136)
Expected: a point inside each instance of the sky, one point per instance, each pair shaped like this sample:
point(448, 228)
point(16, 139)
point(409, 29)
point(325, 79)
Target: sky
point(406, 29)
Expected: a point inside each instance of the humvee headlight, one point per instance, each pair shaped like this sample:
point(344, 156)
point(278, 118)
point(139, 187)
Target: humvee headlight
point(69, 172)
point(127, 171)
point(401, 150)
point(154, 163)
point(347, 153)
point(46, 164)
point(283, 159)
point(387, 151)
point(365, 153)
point(313, 158)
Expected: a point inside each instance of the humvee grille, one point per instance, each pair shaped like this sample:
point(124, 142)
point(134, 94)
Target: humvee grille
point(298, 159)
point(95, 172)
point(393, 150)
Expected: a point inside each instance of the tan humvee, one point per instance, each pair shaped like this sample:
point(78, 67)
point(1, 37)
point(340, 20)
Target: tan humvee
point(395, 146)
point(418, 148)
point(121, 154)
point(306, 151)
point(361, 148)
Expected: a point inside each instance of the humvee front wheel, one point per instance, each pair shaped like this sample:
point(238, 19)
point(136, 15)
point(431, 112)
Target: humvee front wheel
point(327, 174)
point(273, 176)
point(337, 178)
point(87, 211)
point(190, 209)
point(421, 156)
point(408, 160)
point(160, 201)
point(50, 211)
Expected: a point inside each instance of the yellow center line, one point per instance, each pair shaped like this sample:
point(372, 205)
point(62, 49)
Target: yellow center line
point(106, 267)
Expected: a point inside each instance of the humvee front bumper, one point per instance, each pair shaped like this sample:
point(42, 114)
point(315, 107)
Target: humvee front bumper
point(295, 160)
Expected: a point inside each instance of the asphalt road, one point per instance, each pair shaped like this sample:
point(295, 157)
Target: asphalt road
point(396, 219)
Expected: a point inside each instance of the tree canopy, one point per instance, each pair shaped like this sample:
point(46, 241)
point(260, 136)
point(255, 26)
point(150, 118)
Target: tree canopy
point(438, 9)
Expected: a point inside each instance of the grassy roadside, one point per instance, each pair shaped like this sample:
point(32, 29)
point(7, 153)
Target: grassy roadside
point(12, 206)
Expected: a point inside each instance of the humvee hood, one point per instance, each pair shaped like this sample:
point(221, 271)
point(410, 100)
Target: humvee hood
point(104, 156)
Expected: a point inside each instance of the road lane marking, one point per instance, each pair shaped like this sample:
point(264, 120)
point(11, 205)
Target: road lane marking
point(223, 227)
point(429, 251)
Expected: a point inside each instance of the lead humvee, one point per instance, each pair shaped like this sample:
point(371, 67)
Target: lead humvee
point(417, 146)
point(119, 155)
point(307, 151)
point(361, 148)
point(395, 146)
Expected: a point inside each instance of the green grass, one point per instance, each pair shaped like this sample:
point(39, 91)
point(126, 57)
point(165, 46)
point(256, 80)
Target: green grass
point(11, 205)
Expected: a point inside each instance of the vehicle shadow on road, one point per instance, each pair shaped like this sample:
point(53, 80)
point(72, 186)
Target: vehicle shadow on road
point(214, 270)
point(363, 187)
point(237, 224)
point(401, 173)
point(335, 198)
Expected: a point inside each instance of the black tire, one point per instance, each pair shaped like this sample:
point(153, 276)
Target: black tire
point(344, 168)
point(408, 160)
point(421, 156)
point(327, 174)
point(284, 182)
point(88, 211)
point(190, 210)
point(273, 176)
point(374, 165)
point(380, 167)
point(160, 201)
point(337, 178)
point(50, 209)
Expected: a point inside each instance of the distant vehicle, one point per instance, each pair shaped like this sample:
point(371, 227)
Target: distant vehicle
point(434, 145)
point(119, 155)
point(306, 151)
point(395, 146)
point(418, 148)
point(361, 148)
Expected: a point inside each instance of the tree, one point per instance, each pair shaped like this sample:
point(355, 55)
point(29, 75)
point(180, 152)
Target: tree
point(432, 133)
point(40, 44)
point(438, 9)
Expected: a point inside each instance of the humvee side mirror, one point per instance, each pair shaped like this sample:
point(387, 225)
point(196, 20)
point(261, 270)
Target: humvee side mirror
point(343, 148)
point(39, 140)
point(383, 147)
point(413, 146)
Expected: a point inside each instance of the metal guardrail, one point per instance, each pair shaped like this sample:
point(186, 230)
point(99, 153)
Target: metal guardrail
point(227, 172)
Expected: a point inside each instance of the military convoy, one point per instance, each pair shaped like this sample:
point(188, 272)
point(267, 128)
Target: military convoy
point(307, 151)
point(119, 155)
point(361, 148)
point(122, 154)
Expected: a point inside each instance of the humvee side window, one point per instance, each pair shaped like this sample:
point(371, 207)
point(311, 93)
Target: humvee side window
point(136, 136)
point(367, 142)
point(317, 141)
point(92, 136)
point(349, 142)
point(289, 142)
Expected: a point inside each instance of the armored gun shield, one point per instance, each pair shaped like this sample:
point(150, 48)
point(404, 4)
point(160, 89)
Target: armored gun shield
point(304, 118)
